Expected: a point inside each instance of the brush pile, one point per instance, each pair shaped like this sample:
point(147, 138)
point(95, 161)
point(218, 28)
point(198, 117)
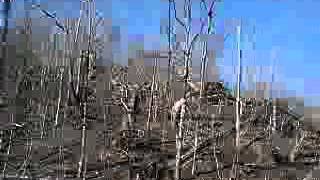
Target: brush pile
point(126, 136)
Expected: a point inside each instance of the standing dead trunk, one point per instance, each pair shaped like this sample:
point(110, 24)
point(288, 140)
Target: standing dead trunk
point(238, 112)
point(179, 137)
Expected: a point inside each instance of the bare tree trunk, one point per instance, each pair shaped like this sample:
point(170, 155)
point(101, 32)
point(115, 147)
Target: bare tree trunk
point(61, 74)
point(82, 161)
point(179, 143)
point(195, 149)
point(8, 150)
point(238, 111)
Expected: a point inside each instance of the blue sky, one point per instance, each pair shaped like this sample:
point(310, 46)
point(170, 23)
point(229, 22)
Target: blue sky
point(287, 31)
point(291, 27)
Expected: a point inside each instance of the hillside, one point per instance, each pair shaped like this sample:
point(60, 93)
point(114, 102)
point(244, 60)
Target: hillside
point(119, 141)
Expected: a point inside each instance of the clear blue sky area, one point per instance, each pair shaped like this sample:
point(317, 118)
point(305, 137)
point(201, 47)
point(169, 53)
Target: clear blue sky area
point(293, 29)
point(287, 31)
